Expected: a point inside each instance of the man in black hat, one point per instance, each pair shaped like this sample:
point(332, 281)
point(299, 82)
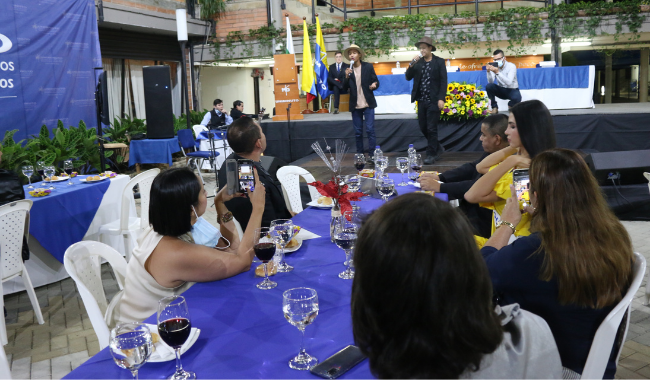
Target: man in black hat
point(429, 89)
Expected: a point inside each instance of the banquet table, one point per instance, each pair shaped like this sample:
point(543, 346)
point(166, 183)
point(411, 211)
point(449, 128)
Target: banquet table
point(219, 143)
point(153, 151)
point(243, 331)
point(68, 215)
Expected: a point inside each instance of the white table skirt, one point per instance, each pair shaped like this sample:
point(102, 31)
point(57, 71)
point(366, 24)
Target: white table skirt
point(218, 146)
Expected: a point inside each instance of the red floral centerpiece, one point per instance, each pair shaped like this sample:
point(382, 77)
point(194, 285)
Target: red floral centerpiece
point(338, 193)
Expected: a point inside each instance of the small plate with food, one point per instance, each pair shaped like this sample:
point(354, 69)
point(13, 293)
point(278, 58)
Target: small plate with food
point(293, 246)
point(322, 202)
point(55, 178)
point(93, 178)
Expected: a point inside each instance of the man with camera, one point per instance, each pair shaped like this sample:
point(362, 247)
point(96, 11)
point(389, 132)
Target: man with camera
point(216, 118)
point(502, 81)
point(429, 76)
point(248, 141)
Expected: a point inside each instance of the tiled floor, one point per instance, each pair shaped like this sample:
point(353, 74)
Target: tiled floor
point(67, 338)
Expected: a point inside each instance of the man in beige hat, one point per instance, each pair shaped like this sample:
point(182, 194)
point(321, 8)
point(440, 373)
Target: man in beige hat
point(429, 89)
point(361, 79)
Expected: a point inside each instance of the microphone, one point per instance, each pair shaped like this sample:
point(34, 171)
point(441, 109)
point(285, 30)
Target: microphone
point(351, 62)
point(415, 60)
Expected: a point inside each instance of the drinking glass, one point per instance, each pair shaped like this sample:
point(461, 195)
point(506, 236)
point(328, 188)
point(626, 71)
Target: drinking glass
point(416, 162)
point(131, 346)
point(300, 308)
point(385, 187)
point(174, 327)
point(49, 171)
point(264, 248)
point(402, 164)
point(345, 237)
point(381, 163)
point(28, 171)
point(68, 167)
point(359, 162)
point(282, 232)
point(353, 182)
point(40, 168)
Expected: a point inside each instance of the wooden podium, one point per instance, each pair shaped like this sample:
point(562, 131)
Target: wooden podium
point(287, 90)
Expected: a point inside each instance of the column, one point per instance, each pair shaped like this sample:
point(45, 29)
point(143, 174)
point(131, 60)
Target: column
point(608, 79)
point(643, 75)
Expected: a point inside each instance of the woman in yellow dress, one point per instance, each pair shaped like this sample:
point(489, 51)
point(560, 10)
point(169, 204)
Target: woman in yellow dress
point(530, 131)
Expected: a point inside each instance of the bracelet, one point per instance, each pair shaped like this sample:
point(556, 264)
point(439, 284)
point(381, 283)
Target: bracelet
point(227, 217)
point(505, 223)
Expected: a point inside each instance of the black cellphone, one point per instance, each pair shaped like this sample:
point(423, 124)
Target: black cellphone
point(495, 64)
point(339, 363)
point(521, 181)
point(240, 176)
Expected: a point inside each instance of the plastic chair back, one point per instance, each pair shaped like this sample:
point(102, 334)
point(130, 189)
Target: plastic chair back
point(83, 261)
point(5, 372)
point(289, 178)
point(601, 347)
point(186, 138)
point(198, 129)
point(647, 176)
point(144, 181)
point(12, 229)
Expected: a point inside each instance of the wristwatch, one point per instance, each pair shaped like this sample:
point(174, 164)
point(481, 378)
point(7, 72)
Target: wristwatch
point(505, 223)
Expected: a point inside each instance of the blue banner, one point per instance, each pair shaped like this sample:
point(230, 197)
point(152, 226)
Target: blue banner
point(48, 52)
point(321, 75)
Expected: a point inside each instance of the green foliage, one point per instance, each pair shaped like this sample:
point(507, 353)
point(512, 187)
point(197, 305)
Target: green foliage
point(212, 9)
point(120, 127)
point(13, 153)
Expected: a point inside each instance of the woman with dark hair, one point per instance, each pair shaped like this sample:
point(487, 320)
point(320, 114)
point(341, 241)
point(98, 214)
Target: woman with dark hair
point(530, 131)
point(180, 248)
point(577, 264)
point(422, 307)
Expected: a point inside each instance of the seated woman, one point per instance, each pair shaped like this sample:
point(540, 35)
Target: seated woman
point(422, 301)
point(577, 264)
point(168, 261)
point(530, 131)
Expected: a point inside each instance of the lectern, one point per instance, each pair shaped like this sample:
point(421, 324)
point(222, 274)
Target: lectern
point(285, 80)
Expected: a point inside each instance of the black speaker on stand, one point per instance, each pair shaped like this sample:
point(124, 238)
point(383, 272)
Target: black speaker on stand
point(101, 109)
point(158, 102)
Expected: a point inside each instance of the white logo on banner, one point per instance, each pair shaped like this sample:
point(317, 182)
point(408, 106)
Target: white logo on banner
point(6, 43)
point(286, 90)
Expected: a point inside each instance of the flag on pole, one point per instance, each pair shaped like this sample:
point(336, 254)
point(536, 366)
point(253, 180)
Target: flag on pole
point(288, 46)
point(308, 84)
point(320, 63)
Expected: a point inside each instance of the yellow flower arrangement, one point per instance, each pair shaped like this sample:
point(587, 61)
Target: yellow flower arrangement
point(450, 87)
point(457, 97)
point(461, 88)
point(448, 98)
point(472, 101)
point(464, 101)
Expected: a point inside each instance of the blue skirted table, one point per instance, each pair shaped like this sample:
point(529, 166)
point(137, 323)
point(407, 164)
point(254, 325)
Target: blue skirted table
point(152, 151)
point(243, 331)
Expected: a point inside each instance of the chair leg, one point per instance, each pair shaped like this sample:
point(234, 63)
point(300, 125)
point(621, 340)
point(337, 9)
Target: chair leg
point(3, 327)
point(127, 246)
point(199, 165)
point(32, 295)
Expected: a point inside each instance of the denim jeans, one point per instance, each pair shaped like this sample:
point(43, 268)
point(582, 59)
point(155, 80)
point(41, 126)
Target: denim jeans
point(511, 94)
point(357, 120)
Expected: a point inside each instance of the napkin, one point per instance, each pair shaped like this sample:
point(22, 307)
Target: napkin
point(163, 351)
point(306, 235)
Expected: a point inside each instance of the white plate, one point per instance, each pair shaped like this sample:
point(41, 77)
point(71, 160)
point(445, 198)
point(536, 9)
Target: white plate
point(91, 181)
point(59, 180)
point(319, 205)
point(169, 352)
point(294, 249)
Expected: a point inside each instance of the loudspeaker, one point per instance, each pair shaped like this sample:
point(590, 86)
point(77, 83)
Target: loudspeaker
point(102, 95)
point(628, 165)
point(158, 102)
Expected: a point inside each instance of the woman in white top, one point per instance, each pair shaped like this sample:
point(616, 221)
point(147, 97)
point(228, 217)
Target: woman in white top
point(169, 259)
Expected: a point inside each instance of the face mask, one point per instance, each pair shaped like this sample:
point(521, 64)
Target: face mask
point(500, 63)
point(205, 233)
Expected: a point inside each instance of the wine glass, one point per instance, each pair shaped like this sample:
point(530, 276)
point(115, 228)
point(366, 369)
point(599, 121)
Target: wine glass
point(131, 346)
point(345, 237)
point(300, 308)
point(282, 232)
point(402, 164)
point(68, 167)
point(28, 171)
point(40, 168)
point(415, 162)
point(174, 327)
point(264, 248)
point(354, 183)
point(49, 171)
point(359, 162)
point(381, 163)
point(385, 187)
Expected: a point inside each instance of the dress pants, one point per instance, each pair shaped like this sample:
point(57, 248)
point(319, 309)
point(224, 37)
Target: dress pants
point(495, 91)
point(357, 120)
point(428, 117)
point(336, 91)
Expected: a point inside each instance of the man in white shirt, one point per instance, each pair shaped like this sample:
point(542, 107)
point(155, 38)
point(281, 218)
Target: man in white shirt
point(502, 81)
point(217, 117)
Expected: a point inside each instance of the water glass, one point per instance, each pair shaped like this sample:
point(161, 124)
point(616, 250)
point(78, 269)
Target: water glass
point(28, 171)
point(402, 164)
point(174, 327)
point(282, 232)
point(131, 346)
point(353, 182)
point(345, 237)
point(264, 247)
point(68, 168)
point(385, 187)
point(49, 171)
point(300, 308)
point(359, 162)
point(381, 163)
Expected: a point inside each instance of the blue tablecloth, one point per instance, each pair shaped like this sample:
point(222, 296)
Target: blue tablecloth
point(153, 151)
point(218, 135)
point(529, 79)
point(243, 331)
point(63, 217)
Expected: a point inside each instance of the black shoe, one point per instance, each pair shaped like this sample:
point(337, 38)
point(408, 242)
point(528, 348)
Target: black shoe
point(429, 160)
point(438, 156)
point(370, 160)
point(336, 110)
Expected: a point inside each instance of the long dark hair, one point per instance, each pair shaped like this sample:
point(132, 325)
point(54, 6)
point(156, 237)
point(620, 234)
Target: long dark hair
point(586, 248)
point(535, 126)
point(422, 295)
point(173, 193)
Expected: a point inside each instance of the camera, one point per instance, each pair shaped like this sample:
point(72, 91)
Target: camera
point(495, 64)
point(240, 176)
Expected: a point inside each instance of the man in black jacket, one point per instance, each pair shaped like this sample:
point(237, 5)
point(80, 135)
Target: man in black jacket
point(237, 110)
point(247, 140)
point(335, 79)
point(362, 81)
point(457, 182)
point(429, 89)
point(216, 118)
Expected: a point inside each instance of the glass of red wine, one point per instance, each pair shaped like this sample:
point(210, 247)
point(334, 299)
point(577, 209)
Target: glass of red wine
point(264, 247)
point(359, 162)
point(40, 168)
point(174, 328)
point(68, 168)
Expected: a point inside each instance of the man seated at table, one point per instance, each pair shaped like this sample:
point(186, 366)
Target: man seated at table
point(217, 117)
point(457, 181)
point(248, 141)
point(237, 110)
point(502, 81)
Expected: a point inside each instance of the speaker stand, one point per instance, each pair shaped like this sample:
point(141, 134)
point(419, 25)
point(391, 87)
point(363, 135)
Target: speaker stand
point(100, 134)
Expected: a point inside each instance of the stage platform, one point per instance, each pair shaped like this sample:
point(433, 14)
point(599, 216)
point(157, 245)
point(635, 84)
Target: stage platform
point(605, 128)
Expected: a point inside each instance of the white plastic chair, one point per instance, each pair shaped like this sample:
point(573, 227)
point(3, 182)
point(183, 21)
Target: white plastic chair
point(127, 225)
point(198, 129)
point(83, 262)
point(288, 177)
point(601, 347)
point(5, 371)
point(647, 176)
point(13, 224)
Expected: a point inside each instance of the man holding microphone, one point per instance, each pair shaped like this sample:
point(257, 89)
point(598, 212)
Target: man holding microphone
point(429, 89)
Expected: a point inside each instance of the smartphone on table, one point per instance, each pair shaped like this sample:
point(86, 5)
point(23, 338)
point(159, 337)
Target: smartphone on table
point(521, 181)
point(339, 363)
